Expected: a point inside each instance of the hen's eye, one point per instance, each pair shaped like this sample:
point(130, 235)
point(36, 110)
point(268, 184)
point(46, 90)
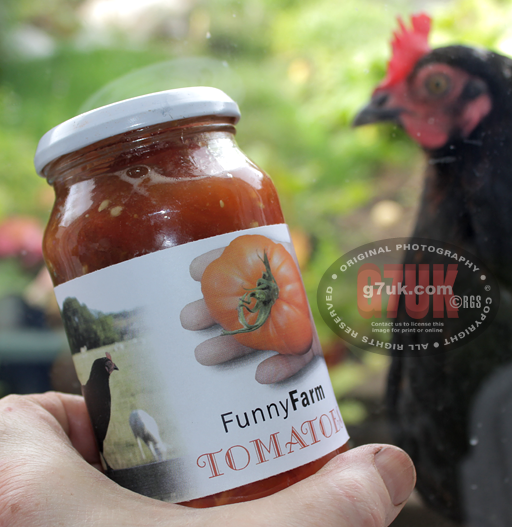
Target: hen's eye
point(437, 84)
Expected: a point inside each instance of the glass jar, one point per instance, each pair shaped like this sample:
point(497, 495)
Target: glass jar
point(153, 200)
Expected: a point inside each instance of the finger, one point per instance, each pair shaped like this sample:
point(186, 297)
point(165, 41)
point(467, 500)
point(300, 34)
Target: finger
point(365, 486)
point(280, 367)
point(43, 479)
point(65, 414)
point(316, 347)
point(220, 349)
point(195, 316)
point(199, 264)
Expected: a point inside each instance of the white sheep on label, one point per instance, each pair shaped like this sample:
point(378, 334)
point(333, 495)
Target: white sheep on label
point(145, 429)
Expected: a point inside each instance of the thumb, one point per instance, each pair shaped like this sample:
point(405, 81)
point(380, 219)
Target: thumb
point(366, 486)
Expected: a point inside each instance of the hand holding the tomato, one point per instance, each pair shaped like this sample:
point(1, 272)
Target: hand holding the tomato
point(253, 289)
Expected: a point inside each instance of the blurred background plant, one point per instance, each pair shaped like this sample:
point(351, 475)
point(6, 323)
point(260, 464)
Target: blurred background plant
point(299, 69)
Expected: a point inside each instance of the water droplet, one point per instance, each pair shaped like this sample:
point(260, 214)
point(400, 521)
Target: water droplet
point(473, 441)
point(208, 35)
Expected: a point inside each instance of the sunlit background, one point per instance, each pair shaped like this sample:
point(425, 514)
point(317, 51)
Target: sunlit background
point(299, 70)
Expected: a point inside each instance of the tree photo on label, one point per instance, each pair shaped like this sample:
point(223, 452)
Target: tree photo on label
point(254, 291)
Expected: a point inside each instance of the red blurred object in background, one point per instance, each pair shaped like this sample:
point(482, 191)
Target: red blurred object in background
point(21, 236)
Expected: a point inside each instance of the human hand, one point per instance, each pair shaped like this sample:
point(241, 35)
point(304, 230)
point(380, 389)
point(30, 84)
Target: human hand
point(48, 477)
point(220, 349)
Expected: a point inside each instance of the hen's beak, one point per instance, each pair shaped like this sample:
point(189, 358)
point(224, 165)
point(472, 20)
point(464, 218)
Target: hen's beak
point(377, 111)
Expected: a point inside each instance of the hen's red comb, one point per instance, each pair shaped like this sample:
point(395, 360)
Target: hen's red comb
point(408, 46)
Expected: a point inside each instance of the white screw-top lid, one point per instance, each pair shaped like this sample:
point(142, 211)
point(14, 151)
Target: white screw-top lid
point(131, 114)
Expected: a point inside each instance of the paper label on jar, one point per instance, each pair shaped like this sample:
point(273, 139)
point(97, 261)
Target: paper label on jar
point(182, 410)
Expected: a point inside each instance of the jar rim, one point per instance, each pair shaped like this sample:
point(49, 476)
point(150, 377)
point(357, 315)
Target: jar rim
point(131, 114)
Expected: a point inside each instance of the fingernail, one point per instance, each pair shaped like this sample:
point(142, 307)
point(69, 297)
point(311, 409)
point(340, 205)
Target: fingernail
point(397, 471)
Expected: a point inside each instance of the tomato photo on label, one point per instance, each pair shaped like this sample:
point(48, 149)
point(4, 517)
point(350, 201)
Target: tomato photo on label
point(254, 291)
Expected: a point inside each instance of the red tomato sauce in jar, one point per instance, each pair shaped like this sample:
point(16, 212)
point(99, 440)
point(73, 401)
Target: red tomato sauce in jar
point(128, 210)
point(151, 188)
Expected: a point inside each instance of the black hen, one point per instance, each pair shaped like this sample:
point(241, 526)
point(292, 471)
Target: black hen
point(98, 399)
point(456, 102)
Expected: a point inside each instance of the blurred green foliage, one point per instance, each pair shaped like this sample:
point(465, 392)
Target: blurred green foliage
point(300, 70)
